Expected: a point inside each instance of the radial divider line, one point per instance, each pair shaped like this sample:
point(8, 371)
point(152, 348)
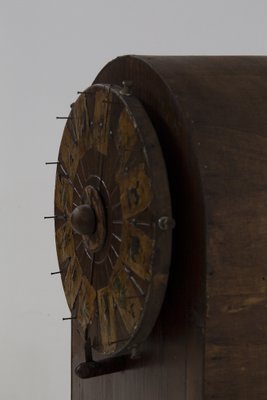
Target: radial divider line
point(76, 190)
point(83, 171)
point(78, 245)
point(66, 175)
point(116, 237)
point(131, 277)
point(88, 255)
point(142, 223)
point(114, 251)
point(79, 180)
point(112, 266)
point(117, 222)
point(92, 269)
point(136, 285)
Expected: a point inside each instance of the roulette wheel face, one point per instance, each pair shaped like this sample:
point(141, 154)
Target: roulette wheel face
point(113, 219)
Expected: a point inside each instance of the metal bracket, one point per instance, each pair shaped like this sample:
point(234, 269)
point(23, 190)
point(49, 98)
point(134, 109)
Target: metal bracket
point(91, 368)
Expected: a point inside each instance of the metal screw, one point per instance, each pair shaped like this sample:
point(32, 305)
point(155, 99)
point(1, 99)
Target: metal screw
point(135, 353)
point(127, 88)
point(165, 223)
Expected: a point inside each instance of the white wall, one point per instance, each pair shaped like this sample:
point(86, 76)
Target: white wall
point(49, 50)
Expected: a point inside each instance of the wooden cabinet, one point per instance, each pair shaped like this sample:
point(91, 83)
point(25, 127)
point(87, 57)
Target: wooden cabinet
point(210, 339)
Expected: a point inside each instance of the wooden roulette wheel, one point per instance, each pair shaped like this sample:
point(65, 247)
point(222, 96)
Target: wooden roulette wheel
point(114, 220)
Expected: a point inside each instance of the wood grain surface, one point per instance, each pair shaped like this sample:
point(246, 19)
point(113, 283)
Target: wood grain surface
point(210, 340)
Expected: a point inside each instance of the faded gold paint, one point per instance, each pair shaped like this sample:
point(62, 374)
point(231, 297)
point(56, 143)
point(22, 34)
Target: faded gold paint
point(101, 122)
point(137, 250)
point(72, 281)
point(86, 302)
point(126, 136)
point(63, 195)
point(69, 153)
point(82, 125)
point(117, 266)
point(64, 242)
point(135, 190)
point(106, 319)
point(127, 300)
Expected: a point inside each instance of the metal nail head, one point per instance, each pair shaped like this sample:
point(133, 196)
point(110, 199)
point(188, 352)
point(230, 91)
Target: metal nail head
point(165, 223)
point(126, 88)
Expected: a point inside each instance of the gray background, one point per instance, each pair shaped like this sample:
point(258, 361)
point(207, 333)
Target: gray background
point(49, 50)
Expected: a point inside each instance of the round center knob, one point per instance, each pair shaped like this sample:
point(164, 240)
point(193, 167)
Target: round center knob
point(83, 220)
